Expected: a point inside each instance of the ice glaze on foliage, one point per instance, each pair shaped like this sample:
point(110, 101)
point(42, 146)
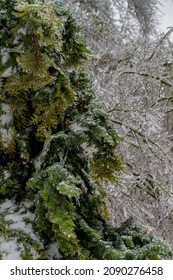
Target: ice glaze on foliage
point(43, 156)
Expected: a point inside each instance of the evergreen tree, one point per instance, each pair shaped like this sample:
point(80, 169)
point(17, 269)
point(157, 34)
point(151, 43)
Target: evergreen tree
point(57, 145)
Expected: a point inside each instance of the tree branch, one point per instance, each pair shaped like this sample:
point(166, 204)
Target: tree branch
point(165, 82)
point(145, 139)
point(37, 51)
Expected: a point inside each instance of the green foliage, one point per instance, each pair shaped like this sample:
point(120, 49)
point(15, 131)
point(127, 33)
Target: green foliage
point(59, 192)
point(27, 245)
point(132, 240)
point(33, 63)
point(106, 166)
point(56, 192)
point(12, 180)
point(57, 145)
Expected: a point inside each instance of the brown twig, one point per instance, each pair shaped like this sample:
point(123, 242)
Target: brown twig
point(37, 51)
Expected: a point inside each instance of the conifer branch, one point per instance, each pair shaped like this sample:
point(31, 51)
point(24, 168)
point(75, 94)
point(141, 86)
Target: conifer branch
point(37, 51)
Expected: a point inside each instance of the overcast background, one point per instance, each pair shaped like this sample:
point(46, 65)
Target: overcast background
point(166, 8)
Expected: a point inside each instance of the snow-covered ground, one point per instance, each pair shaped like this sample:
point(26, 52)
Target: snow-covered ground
point(18, 240)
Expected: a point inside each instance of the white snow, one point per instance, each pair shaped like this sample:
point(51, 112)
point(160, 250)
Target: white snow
point(7, 136)
point(17, 40)
point(6, 174)
point(6, 205)
point(53, 251)
point(6, 116)
point(18, 223)
point(23, 30)
point(77, 127)
point(10, 248)
point(14, 216)
point(5, 56)
point(5, 119)
point(48, 89)
point(7, 72)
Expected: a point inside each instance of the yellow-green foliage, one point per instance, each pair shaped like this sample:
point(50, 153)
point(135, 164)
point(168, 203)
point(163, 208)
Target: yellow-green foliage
point(33, 78)
point(106, 167)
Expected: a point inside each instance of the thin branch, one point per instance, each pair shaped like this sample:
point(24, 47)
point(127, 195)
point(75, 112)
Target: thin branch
point(146, 140)
point(165, 82)
point(37, 51)
point(170, 110)
point(160, 42)
point(162, 99)
point(124, 110)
